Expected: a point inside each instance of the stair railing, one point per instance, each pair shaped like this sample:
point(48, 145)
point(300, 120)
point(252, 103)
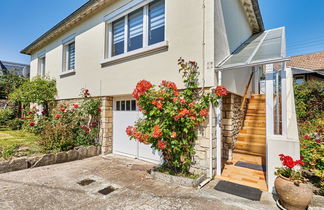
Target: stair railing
point(246, 91)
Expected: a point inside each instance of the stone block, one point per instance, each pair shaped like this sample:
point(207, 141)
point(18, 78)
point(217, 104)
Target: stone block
point(4, 167)
point(98, 150)
point(18, 164)
point(45, 160)
point(32, 160)
point(72, 155)
point(61, 157)
point(83, 152)
point(92, 151)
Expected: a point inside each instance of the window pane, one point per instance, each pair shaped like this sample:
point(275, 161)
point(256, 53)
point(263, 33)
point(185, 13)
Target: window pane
point(128, 104)
point(71, 56)
point(118, 105)
point(123, 105)
point(156, 22)
point(133, 105)
point(118, 37)
point(41, 66)
point(135, 30)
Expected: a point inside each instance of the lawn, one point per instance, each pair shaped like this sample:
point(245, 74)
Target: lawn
point(17, 143)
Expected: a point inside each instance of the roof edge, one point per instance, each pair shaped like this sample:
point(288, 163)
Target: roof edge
point(257, 11)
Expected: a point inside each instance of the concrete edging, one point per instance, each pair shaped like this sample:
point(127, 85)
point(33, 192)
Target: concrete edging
point(22, 163)
point(177, 180)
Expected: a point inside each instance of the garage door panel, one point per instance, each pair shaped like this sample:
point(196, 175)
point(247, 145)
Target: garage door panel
point(145, 152)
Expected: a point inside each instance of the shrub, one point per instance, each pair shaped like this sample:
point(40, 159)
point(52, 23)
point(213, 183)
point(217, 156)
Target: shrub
point(16, 124)
point(10, 82)
point(5, 116)
point(309, 100)
point(171, 118)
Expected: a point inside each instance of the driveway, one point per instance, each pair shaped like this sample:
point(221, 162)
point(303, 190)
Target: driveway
point(56, 187)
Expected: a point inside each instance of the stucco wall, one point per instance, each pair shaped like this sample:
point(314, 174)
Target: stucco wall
point(236, 80)
point(184, 33)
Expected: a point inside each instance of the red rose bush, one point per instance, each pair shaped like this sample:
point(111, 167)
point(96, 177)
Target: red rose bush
point(171, 117)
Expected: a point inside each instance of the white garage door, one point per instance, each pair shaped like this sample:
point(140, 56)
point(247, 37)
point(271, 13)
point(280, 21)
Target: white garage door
point(125, 113)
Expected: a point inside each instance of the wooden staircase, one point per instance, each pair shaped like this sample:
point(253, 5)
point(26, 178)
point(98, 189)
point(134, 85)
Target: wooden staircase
point(250, 147)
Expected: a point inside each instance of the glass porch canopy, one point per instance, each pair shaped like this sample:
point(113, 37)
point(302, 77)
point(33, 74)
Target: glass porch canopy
point(262, 48)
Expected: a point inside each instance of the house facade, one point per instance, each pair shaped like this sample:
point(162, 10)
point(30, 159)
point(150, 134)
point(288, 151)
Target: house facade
point(107, 46)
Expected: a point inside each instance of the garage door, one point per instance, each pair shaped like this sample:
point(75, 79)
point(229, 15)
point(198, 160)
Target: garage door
point(125, 113)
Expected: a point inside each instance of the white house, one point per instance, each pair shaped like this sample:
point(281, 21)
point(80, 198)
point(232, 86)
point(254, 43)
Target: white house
point(107, 46)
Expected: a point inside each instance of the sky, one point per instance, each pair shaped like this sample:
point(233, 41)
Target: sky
point(23, 21)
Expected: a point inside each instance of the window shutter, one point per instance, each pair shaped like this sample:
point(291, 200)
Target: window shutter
point(157, 14)
point(71, 50)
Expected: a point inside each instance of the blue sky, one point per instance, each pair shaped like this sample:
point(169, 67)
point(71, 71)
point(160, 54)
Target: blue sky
point(22, 21)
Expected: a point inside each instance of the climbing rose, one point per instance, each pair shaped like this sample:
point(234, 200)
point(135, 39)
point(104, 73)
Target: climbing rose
point(32, 124)
point(183, 101)
point(86, 93)
point(159, 105)
point(76, 106)
point(141, 87)
point(157, 132)
point(57, 116)
point(307, 136)
point(130, 130)
point(62, 109)
point(161, 145)
point(203, 112)
point(221, 91)
point(173, 135)
point(176, 93)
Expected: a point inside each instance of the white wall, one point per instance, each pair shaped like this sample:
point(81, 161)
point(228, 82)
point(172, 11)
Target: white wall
point(236, 80)
point(184, 33)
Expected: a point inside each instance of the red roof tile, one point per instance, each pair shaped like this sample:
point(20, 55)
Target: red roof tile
point(314, 61)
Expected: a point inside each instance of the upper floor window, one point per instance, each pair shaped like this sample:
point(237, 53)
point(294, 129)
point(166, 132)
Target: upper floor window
point(138, 29)
point(41, 66)
point(69, 56)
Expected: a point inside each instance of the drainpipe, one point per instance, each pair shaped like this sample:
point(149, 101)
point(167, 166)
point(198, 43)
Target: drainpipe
point(219, 129)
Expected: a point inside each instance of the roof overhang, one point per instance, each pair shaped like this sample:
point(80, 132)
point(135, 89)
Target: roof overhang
point(253, 14)
point(88, 9)
point(262, 48)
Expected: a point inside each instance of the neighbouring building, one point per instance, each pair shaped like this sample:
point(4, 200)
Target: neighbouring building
point(11, 67)
point(307, 67)
point(107, 46)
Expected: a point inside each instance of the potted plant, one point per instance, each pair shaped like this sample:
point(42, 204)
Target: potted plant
point(292, 188)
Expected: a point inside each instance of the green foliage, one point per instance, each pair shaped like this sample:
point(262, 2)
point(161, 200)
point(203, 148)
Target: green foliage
point(5, 116)
point(309, 100)
point(290, 173)
point(7, 152)
point(171, 118)
point(16, 124)
point(40, 91)
point(10, 82)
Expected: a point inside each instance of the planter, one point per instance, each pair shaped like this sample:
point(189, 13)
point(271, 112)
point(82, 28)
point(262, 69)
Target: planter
point(291, 196)
point(177, 180)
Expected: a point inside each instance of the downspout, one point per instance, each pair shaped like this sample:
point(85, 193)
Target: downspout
point(218, 128)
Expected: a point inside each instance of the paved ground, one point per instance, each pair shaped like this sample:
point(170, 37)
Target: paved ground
point(55, 187)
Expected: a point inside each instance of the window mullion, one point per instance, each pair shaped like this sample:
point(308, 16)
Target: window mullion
point(109, 40)
point(126, 34)
point(145, 26)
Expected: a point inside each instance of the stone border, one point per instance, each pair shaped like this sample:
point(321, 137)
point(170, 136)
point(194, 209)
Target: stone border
point(177, 180)
point(77, 153)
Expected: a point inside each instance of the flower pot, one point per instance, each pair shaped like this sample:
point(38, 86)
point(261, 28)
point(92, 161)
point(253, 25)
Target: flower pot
point(291, 196)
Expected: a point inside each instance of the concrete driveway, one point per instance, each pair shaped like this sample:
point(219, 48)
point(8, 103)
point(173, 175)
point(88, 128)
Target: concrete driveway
point(56, 187)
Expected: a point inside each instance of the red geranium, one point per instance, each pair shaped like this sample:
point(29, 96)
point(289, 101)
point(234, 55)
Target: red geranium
point(161, 145)
point(289, 161)
point(32, 124)
point(221, 91)
point(203, 112)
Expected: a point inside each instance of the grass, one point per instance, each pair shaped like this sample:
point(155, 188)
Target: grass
point(17, 143)
point(166, 170)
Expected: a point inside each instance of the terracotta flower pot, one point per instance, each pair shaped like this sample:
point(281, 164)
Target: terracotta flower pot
point(291, 196)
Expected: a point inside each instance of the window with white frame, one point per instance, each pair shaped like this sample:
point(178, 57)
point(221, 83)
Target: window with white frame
point(69, 56)
point(41, 66)
point(138, 29)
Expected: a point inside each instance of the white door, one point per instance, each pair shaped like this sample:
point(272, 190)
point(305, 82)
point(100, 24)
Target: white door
point(125, 113)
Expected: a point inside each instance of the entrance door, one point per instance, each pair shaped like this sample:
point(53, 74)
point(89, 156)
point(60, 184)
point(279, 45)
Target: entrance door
point(125, 113)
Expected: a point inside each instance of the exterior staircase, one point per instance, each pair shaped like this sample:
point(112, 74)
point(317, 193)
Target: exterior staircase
point(250, 147)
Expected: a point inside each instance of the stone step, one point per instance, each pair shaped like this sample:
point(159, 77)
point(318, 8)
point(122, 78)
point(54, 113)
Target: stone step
point(253, 130)
point(252, 138)
point(257, 148)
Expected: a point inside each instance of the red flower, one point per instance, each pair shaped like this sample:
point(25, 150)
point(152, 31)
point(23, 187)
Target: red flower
point(76, 106)
point(138, 135)
point(146, 136)
point(175, 99)
point(57, 116)
point(203, 112)
point(192, 104)
point(182, 159)
point(176, 118)
point(183, 101)
point(99, 110)
point(130, 130)
point(172, 85)
point(157, 133)
point(86, 93)
point(318, 141)
point(161, 98)
point(141, 87)
point(159, 105)
point(154, 102)
point(161, 145)
point(176, 93)
point(173, 135)
point(289, 162)
point(145, 142)
point(32, 124)
point(307, 137)
point(221, 91)
point(62, 109)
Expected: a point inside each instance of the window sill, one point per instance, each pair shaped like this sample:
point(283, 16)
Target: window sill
point(136, 53)
point(67, 73)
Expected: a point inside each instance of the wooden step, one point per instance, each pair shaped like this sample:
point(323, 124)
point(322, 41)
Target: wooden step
point(257, 101)
point(249, 117)
point(256, 106)
point(257, 114)
point(245, 180)
point(254, 159)
point(258, 96)
point(248, 153)
point(257, 148)
point(252, 138)
point(253, 130)
point(256, 111)
point(254, 123)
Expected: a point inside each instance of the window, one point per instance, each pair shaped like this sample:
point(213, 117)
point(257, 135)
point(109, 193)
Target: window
point(137, 30)
point(41, 66)
point(69, 55)
point(127, 105)
point(299, 79)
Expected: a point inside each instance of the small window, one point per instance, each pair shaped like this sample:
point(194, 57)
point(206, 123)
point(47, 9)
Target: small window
point(69, 50)
point(299, 79)
point(41, 66)
point(118, 105)
point(123, 105)
point(135, 30)
point(128, 105)
point(133, 105)
point(156, 22)
point(118, 37)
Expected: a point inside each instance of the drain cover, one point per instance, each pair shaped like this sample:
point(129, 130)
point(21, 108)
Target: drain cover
point(107, 190)
point(86, 182)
